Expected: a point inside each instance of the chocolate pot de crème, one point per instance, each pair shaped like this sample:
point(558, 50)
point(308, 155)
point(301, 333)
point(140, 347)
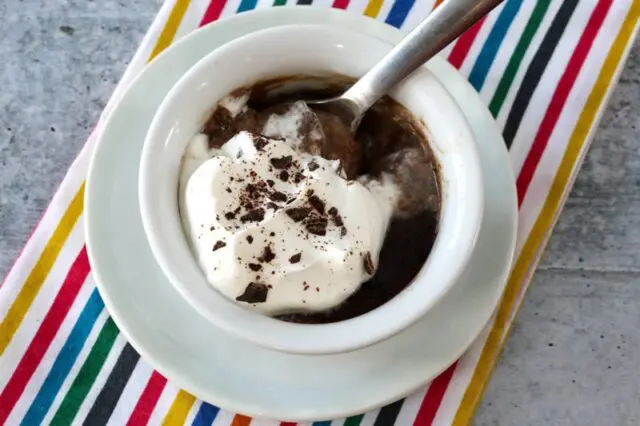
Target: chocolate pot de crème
point(290, 215)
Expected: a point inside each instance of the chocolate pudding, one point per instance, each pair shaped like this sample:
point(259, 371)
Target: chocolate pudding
point(389, 143)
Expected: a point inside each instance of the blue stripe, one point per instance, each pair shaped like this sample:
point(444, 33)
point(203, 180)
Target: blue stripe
point(247, 5)
point(399, 12)
point(492, 44)
point(65, 360)
point(205, 415)
point(325, 423)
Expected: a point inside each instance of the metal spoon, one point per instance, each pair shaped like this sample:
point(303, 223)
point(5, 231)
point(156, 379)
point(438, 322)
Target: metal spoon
point(440, 28)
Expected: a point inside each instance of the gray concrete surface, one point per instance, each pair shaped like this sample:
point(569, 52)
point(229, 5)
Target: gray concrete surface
point(573, 355)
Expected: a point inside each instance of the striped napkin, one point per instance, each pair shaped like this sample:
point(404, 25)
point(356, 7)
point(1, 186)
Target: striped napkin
point(545, 69)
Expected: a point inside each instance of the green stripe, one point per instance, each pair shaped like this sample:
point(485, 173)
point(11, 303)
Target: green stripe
point(87, 375)
point(518, 54)
point(279, 2)
point(353, 420)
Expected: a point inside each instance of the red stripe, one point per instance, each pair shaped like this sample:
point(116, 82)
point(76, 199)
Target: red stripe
point(560, 96)
point(287, 424)
point(213, 11)
point(148, 400)
point(433, 398)
point(464, 43)
point(340, 4)
point(46, 332)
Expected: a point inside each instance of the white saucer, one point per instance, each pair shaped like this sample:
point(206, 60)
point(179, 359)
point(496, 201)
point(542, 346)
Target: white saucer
point(235, 374)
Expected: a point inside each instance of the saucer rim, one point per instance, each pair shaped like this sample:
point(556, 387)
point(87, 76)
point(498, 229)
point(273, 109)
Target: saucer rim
point(442, 71)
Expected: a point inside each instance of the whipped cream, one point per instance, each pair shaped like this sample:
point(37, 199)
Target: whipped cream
point(278, 230)
point(287, 125)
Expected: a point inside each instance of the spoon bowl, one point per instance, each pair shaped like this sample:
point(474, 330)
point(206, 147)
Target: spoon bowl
point(346, 109)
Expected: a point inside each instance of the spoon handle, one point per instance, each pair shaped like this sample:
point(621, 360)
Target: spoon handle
point(440, 28)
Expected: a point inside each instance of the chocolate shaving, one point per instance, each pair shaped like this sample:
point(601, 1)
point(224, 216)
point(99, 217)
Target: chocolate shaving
point(278, 196)
point(317, 203)
point(368, 263)
point(260, 142)
point(267, 255)
point(270, 183)
point(220, 126)
point(218, 245)
point(254, 293)
point(298, 213)
point(333, 211)
point(313, 165)
point(254, 266)
point(249, 239)
point(253, 191)
point(230, 215)
point(284, 176)
point(282, 162)
point(343, 231)
point(255, 215)
point(316, 225)
point(299, 177)
point(337, 220)
point(271, 205)
point(295, 258)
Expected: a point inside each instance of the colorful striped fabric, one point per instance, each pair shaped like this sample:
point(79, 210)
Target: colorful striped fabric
point(544, 68)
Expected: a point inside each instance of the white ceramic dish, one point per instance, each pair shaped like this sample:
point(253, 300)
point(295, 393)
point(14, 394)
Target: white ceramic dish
point(283, 51)
point(225, 370)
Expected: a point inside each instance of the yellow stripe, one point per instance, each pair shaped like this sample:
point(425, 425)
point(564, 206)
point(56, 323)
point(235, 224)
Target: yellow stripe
point(523, 269)
point(170, 28)
point(36, 278)
point(179, 410)
point(373, 8)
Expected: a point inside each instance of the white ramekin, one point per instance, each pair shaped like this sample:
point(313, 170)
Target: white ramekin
point(314, 50)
